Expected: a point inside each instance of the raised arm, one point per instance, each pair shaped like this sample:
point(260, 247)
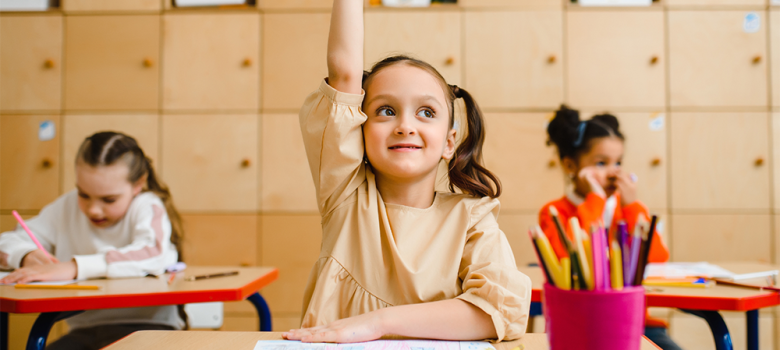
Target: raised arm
point(345, 46)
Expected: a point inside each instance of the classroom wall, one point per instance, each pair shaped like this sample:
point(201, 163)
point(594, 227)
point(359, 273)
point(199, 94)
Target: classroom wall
point(213, 94)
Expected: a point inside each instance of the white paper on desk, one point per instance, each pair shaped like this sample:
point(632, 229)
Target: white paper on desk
point(686, 269)
point(375, 345)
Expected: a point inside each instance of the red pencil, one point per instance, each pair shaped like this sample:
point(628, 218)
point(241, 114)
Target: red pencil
point(170, 279)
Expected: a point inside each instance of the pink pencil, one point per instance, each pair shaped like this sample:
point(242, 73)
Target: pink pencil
point(29, 233)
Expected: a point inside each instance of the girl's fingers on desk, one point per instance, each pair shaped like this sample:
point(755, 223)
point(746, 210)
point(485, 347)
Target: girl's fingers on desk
point(50, 272)
point(360, 328)
point(37, 257)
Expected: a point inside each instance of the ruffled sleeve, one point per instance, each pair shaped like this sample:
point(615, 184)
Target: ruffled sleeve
point(489, 275)
point(331, 124)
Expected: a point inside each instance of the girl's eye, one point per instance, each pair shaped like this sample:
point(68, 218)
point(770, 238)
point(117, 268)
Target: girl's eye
point(82, 195)
point(425, 113)
point(109, 200)
point(385, 112)
point(601, 164)
point(619, 163)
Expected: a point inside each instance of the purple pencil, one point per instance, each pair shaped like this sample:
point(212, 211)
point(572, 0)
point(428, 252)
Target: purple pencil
point(605, 246)
point(623, 233)
point(636, 243)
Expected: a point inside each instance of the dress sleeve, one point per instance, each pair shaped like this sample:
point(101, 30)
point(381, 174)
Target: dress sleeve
point(490, 279)
point(332, 128)
point(658, 250)
point(149, 252)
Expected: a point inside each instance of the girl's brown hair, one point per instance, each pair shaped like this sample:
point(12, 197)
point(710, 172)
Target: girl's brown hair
point(466, 171)
point(106, 148)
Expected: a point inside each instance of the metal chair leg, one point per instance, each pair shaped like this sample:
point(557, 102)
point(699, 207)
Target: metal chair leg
point(42, 326)
point(262, 311)
point(718, 327)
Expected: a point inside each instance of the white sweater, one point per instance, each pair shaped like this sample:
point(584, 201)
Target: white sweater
point(137, 245)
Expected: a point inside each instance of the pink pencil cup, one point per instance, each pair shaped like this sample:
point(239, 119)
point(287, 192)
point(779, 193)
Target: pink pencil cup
point(594, 320)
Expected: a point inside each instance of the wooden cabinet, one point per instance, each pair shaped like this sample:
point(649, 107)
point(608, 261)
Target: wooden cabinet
point(610, 68)
point(211, 61)
point(220, 240)
point(719, 161)
point(515, 150)
point(713, 3)
point(721, 237)
point(144, 128)
point(644, 153)
point(513, 4)
point(287, 183)
point(716, 60)
point(29, 164)
point(110, 6)
point(514, 59)
point(774, 44)
point(210, 161)
point(30, 63)
point(294, 57)
point(431, 36)
point(294, 4)
point(294, 261)
point(111, 62)
point(515, 227)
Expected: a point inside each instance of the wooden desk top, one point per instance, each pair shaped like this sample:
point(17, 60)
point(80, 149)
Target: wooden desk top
point(246, 340)
point(716, 298)
point(138, 292)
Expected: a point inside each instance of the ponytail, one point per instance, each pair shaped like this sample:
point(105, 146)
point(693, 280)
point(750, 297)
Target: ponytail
point(106, 148)
point(466, 171)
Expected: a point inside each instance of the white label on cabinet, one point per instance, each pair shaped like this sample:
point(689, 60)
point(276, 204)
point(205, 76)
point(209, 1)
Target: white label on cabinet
point(657, 123)
point(775, 2)
point(752, 23)
point(46, 131)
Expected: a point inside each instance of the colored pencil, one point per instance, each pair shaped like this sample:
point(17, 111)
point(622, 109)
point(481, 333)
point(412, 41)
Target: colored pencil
point(49, 286)
point(221, 274)
point(29, 233)
point(626, 253)
point(616, 260)
point(598, 259)
point(561, 233)
point(645, 252)
point(550, 259)
point(586, 275)
point(539, 257)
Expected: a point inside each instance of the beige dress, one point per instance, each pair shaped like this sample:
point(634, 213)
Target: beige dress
point(376, 255)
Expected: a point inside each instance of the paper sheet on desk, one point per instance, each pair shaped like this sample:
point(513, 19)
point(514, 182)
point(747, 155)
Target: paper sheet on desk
point(375, 345)
point(686, 269)
point(46, 283)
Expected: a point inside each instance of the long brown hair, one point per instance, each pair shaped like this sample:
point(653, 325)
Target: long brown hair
point(466, 169)
point(106, 148)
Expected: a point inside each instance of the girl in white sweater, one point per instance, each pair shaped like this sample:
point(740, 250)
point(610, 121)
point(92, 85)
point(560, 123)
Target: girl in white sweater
point(119, 222)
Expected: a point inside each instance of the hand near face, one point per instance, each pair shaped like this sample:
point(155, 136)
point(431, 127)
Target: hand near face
point(38, 257)
point(49, 272)
point(365, 327)
point(588, 178)
point(626, 186)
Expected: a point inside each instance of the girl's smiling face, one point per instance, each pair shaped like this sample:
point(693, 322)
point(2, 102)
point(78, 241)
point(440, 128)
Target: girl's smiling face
point(604, 158)
point(408, 128)
point(104, 192)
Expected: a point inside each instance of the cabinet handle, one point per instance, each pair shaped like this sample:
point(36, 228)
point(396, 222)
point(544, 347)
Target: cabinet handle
point(247, 62)
point(757, 59)
point(46, 163)
point(653, 60)
point(551, 59)
point(655, 162)
point(148, 63)
point(48, 64)
point(449, 61)
point(244, 264)
point(551, 164)
point(245, 163)
point(759, 161)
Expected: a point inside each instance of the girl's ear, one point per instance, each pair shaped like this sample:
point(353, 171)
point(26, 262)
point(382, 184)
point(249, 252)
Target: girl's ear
point(449, 147)
point(569, 166)
point(138, 186)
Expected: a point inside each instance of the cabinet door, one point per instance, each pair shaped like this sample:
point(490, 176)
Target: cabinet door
point(30, 63)
point(76, 127)
point(776, 159)
point(211, 61)
point(514, 58)
point(294, 57)
point(516, 151)
point(113, 5)
point(29, 161)
point(220, 240)
point(721, 237)
point(644, 153)
point(294, 261)
point(716, 59)
point(719, 161)
point(111, 62)
point(432, 36)
point(713, 3)
point(210, 161)
point(294, 4)
point(287, 182)
point(514, 4)
point(774, 43)
point(615, 68)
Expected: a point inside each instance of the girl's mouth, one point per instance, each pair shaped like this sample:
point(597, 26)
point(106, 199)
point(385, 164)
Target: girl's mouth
point(98, 221)
point(404, 148)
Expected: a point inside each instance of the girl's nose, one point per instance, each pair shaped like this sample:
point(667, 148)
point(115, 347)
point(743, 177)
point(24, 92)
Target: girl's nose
point(405, 126)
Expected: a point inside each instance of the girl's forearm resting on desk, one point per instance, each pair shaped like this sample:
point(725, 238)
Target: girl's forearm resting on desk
point(452, 319)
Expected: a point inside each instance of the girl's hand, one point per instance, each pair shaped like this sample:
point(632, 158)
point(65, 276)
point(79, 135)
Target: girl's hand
point(587, 178)
point(626, 187)
point(38, 257)
point(365, 327)
point(49, 272)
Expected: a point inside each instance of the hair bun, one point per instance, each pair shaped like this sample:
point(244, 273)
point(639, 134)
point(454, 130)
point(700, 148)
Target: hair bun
point(608, 120)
